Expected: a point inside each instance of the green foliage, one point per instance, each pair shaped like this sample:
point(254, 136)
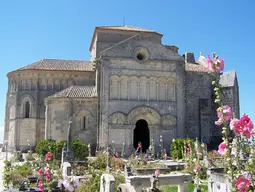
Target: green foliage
point(13, 175)
point(177, 147)
point(142, 163)
point(45, 146)
point(191, 188)
point(93, 184)
point(59, 147)
point(16, 156)
point(6, 174)
point(100, 162)
point(80, 150)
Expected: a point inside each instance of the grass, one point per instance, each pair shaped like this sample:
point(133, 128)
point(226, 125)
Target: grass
point(191, 188)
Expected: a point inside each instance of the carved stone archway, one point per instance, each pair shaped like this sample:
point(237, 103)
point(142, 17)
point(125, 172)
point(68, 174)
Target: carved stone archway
point(149, 114)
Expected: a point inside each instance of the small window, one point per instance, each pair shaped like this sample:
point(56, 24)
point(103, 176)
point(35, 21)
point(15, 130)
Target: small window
point(83, 123)
point(27, 109)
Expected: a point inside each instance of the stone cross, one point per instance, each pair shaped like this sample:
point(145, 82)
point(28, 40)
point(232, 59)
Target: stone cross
point(69, 152)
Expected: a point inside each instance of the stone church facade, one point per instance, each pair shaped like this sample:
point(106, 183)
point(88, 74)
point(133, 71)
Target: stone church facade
point(132, 90)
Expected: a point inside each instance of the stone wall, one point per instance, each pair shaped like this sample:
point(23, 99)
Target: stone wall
point(200, 119)
point(84, 119)
point(147, 89)
point(33, 87)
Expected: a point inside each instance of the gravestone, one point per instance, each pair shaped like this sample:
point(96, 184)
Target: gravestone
point(66, 169)
point(107, 182)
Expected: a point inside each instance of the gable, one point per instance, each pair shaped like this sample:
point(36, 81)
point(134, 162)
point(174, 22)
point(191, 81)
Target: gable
point(128, 48)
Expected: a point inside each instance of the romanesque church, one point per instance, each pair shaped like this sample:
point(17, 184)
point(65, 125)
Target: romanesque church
point(133, 89)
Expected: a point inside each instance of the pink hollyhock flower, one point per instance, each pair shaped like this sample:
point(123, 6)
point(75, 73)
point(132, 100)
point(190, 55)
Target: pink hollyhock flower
point(222, 148)
point(48, 156)
point(219, 122)
point(225, 113)
point(47, 177)
point(253, 131)
point(40, 171)
point(216, 65)
point(233, 123)
point(157, 172)
point(243, 126)
point(40, 185)
point(243, 184)
point(197, 168)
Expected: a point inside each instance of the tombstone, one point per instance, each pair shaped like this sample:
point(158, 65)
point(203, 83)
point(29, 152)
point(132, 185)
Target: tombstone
point(107, 182)
point(218, 180)
point(66, 169)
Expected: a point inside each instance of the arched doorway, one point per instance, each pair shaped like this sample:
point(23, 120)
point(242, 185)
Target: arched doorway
point(142, 134)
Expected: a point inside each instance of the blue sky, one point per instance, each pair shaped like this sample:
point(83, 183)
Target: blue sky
point(31, 30)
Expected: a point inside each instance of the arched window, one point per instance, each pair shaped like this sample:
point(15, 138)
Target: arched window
point(27, 109)
point(83, 123)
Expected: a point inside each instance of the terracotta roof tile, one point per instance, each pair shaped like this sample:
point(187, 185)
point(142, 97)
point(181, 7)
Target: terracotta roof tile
point(126, 28)
point(76, 91)
point(62, 65)
point(195, 67)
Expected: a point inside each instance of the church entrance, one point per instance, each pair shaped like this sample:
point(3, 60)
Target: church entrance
point(142, 135)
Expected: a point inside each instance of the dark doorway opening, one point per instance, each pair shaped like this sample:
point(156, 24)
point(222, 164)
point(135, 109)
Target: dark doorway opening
point(142, 135)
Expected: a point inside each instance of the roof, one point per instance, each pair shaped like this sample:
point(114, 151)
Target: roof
point(227, 79)
point(59, 65)
point(121, 28)
point(195, 67)
point(75, 91)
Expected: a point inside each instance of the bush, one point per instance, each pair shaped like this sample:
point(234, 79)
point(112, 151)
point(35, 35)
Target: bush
point(58, 149)
point(14, 175)
point(177, 147)
point(100, 162)
point(45, 146)
point(80, 150)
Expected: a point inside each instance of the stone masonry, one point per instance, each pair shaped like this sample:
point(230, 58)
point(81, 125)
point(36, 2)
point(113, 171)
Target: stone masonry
point(131, 76)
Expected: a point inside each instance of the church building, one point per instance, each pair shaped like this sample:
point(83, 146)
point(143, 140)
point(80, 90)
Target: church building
point(133, 89)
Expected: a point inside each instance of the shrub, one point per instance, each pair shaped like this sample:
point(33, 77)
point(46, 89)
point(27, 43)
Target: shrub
point(177, 147)
point(14, 175)
point(44, 146)
point(80, 150)
point(100, 162)
point(58, 149)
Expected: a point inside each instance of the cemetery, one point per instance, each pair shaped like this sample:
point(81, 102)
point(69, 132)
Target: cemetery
point(128, 133)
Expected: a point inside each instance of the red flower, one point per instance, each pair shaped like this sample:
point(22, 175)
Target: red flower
point(242, 184)
point(40, 171)
point(40, 185)
point(48, 156)
point(47, 177)
point(243, 126)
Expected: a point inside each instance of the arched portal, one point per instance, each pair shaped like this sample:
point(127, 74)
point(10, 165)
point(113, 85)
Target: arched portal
point(141, 135)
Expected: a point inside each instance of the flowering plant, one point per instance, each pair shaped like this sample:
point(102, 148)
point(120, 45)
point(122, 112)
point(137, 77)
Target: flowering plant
point(47, 174)
point(241, 173)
